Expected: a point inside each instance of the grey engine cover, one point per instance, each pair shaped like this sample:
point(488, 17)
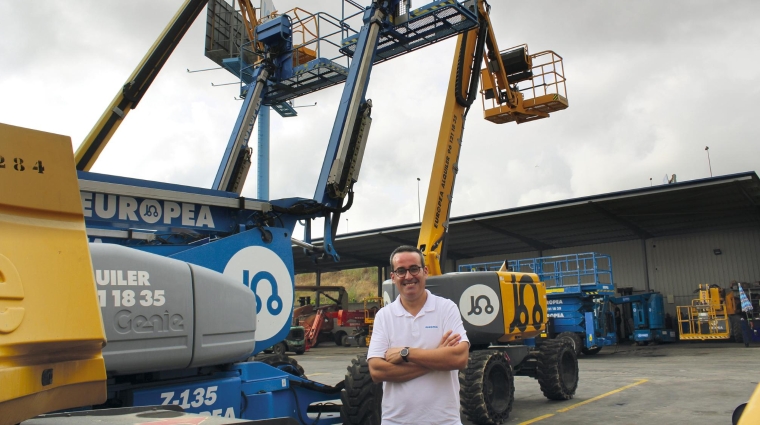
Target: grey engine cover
point(162, 314)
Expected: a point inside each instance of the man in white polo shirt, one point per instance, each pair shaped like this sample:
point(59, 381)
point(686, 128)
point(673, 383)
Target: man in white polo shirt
point(418, 345)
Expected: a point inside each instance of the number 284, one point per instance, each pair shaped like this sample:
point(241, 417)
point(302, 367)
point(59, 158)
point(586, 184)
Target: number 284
point(20, 165)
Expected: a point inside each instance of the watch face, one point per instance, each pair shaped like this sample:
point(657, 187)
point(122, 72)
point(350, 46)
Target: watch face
point(404, 352)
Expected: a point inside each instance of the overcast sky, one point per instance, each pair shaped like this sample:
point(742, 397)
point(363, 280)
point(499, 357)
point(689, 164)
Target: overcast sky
point(650, 84)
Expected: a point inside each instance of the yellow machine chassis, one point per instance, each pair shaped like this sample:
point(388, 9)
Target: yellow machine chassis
point(51, 333)
point(520, 300)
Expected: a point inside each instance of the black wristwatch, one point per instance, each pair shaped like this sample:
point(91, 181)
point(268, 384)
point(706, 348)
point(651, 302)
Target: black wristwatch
point(405, 353)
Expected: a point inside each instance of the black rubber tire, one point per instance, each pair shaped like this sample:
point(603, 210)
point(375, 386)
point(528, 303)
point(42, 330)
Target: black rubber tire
point(281, 362)
point(487, 388)
point(280, 348)
point(557, 370)
point(300, 351)
point(574, 339)
point(738, 413)
point(590, 351)
point(362, 341)
point(339, 338)
point(736, 328)
point(362, 399)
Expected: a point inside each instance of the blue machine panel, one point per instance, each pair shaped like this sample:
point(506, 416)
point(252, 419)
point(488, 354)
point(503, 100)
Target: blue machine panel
point(102, 209)
point(220, 397)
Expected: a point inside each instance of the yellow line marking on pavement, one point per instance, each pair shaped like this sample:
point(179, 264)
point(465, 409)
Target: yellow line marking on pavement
point(603, 395)
point(599, 397)
point(534, 420)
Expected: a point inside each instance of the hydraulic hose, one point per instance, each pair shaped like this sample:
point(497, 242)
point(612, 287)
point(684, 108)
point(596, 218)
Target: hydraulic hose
point(475, 72)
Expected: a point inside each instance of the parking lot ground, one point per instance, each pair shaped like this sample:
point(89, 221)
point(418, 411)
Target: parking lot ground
point(681, 383)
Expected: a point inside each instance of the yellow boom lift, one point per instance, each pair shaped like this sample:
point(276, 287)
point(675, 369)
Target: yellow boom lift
point(503, 308)
point(487, 381)
point(503, 102)
point(137, 84)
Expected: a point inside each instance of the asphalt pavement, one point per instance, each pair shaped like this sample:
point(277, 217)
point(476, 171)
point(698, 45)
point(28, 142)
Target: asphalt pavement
point(679, 383)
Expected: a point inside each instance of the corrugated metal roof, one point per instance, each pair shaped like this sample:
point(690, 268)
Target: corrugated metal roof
point(711, 204)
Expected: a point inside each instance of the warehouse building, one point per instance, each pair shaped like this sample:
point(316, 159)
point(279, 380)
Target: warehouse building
point(667, 238)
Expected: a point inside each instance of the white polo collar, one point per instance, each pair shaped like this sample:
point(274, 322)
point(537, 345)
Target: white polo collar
point(398, 309)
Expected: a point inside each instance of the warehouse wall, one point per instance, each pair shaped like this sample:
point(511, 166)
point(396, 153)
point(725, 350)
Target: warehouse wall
point(677, 265)
point(673, 266)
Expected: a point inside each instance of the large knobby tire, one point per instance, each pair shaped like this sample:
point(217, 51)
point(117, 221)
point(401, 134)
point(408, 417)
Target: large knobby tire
point(736, 328)
point(487, 388)
point(362, 399)
point(557, 370)
point(281, 362)
point(574, 339)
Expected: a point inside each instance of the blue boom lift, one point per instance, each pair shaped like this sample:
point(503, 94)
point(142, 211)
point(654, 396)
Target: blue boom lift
point(648, 317)
point(578, 288)
point(192, 282)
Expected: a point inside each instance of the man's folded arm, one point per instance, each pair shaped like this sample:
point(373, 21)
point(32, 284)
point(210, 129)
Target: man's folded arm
point(441, 358)
point(382, 371)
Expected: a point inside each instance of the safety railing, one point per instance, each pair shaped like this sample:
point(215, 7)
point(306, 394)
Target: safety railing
point(703, 321)
point(568, 270)
point(538, 88)
point(548, 78)
point(481, 267)
point(323, 44)
point(561, 270)
point(315, 36)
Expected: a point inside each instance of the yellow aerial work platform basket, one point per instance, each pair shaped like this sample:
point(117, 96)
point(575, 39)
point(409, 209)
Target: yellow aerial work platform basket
point(536, 87)
point(706, 317)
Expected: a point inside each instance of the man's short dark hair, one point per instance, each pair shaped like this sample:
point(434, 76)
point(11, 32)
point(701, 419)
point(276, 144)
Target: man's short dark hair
point(407, 248)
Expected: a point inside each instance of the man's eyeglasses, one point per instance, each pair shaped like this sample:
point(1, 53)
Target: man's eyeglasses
point(401, 272)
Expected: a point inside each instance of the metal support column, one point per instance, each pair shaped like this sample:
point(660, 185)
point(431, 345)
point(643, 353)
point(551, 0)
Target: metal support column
point(262, 183)
point(380, 279)
point(646, 264)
